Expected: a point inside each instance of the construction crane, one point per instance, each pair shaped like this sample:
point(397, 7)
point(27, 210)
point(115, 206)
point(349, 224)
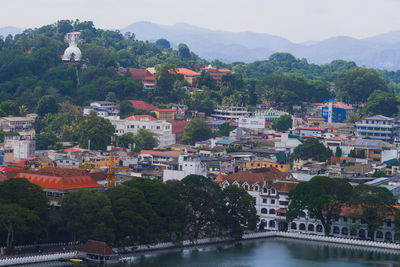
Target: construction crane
point(111, 167)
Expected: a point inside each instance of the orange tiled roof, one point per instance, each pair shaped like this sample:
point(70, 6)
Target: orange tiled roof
point(259, 176)
point(140, 117)
point(186, 71)
point(219, 178)
point(60, 183)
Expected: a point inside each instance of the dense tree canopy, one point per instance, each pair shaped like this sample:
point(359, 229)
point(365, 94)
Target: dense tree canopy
point(196, 130)
point(312, 149)
point(283, 123)
point(381, 102)
point(97, 129)
point(357, 84)
point(322, 197)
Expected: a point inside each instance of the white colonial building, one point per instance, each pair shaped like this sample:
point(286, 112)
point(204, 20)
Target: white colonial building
point(132, 124)
point(270, 188)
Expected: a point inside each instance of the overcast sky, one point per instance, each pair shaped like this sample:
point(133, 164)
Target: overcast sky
point(296, 20)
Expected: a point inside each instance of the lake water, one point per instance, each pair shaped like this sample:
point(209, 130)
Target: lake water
point(265, 252)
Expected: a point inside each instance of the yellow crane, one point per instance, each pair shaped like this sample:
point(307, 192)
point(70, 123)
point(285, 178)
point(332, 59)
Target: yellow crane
point(111, 167)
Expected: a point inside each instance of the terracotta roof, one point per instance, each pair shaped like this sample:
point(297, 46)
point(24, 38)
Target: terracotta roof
point(343, 106)
point(284, 186)
point(338, 159)
point(140, 117)
point(186, 71)
point(178, 126)
point(219, 178)
point(281, 210)
point(141, 74)
point(60, 183)
point(96, 247)
point(98, 176)
point(259, 176)
point(138, 104)
point(57, 178)
point(76, 148)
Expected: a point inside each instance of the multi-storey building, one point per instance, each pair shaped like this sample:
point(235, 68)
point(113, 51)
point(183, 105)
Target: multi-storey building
point(216, 73)
point(23, 146)
point(378, 127)
point(102, 109)
point(185, 166)
point(132, 124)
point(229, 113)
point(270, 188)
point(16, 124)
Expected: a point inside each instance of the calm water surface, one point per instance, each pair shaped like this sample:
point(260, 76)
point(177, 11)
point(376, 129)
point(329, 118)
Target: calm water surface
point(266, 252)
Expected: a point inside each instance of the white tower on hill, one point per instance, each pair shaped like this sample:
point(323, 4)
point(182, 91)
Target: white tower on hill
point(72, 53)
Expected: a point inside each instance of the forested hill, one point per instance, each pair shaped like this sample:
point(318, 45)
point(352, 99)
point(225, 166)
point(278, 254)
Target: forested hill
point(31, 68)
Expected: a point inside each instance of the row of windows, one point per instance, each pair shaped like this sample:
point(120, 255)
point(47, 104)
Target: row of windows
point(265, 165)
point(265, 200)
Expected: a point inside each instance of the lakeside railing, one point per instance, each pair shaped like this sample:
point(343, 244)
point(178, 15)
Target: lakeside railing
point(187, 243)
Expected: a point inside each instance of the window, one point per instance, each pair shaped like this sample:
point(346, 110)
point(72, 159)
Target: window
point(264, 211)
point(246, 187)
point(345, 219)
point(264, 200)
point(265, 190)
point(272, 201)
point(271, 211)
point(272, 191)
point(255, 188)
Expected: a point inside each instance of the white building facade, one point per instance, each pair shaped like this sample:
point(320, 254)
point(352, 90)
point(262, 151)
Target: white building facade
point(161, 128)
point(186, 165)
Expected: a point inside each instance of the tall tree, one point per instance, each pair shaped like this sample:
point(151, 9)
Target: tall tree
point(196, 130)
point(97, 129)
point(381, 102)
point(322, 197)
point(357, 84)
point(311, 148)
point(376, 205)
point(283, 123)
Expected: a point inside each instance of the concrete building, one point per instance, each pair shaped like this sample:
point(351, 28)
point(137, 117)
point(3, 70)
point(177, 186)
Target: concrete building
point(378, 127)
point(23, 146)
point(102, 109)
point(229, 113)
point(337, 112)
point(186, 165)
point(132, 124)
point(16, 124)
point(311, 131)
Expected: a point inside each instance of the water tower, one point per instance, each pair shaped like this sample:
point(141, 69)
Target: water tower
point(72, 54)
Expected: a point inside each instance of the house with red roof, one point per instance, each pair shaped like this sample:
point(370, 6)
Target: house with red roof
point(339, 111)
point(146, 77)
point(216, 73)
point(56, 182)
point(162, 114)
point(132, 124)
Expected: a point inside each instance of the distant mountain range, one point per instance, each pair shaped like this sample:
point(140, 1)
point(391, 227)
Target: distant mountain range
point(381, 51)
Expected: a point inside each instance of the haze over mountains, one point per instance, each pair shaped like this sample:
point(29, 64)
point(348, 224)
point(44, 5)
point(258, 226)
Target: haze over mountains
point(381, 51)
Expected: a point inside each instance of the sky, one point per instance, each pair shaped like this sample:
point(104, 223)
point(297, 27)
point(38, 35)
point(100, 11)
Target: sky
point(296, 20)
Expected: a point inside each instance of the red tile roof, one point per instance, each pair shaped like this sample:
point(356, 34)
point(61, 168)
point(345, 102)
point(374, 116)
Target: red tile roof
point(186, 71)
point(219, 178)
point(76, 148)
point(138, 104)
point(343, 106)
point(140, 117)
point(57, 178)
point(142, 74)
point(96, 247)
